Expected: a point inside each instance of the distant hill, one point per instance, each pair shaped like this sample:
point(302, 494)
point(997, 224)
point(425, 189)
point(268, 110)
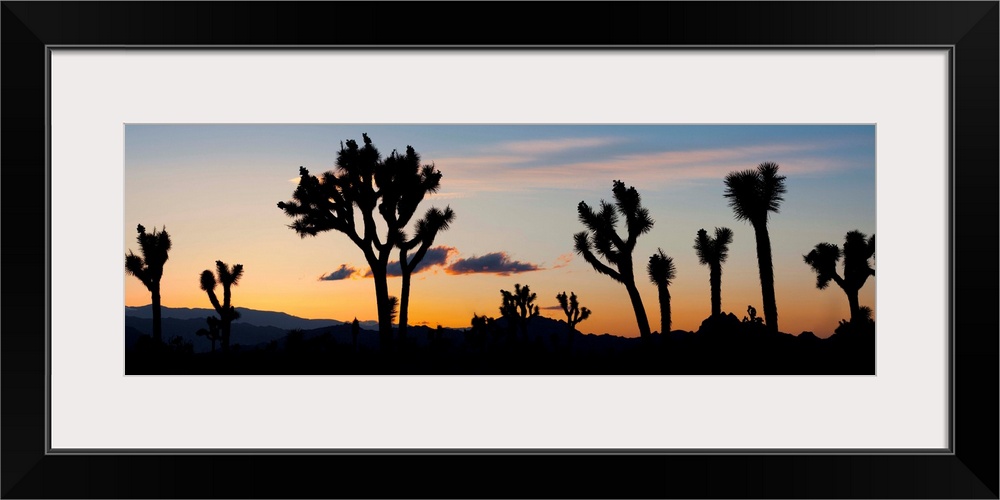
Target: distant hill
point(255, 329)
point(248, 316)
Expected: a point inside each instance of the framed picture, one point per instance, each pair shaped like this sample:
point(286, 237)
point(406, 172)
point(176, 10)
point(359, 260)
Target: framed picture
point(881, 118)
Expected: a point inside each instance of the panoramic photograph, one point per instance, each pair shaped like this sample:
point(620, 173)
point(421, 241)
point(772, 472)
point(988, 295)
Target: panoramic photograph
point(469, 249)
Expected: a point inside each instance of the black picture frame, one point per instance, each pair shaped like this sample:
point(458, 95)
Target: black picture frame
point(970, 29)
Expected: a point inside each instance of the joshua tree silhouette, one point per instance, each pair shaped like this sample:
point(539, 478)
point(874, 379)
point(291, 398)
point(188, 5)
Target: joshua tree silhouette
point(434, 220)
point(574, 314)
point(212, 334)
point(518, 308)
point(149, 268)
point(228, 277)
point(858, 249)
point(753, 194)
point(601, 236)
point(713, 252)
point(661, 272)
point(362, 179)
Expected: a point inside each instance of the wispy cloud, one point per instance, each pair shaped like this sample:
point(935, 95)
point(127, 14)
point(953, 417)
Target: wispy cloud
point(563, 260)
point(548, 146)
point(435, 256)
point(653, 169)
point(342, 273)
point(498, 263)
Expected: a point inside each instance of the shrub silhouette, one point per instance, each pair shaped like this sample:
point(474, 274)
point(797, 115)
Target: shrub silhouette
point(661, 272)
point(752, 311)
point(753, 195)
point(228, 277)
point(601, 236)
point(574, 314)
point(713, 252)
point(519, 307)
point(482, 333)
point(389, 189)
point(149, 268)
point(858, 249)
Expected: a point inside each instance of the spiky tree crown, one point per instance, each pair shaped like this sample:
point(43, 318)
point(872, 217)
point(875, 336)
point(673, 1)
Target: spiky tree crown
point(362, 179)
point(602, 236)
point(520, 303)
point(823, 260)
point(154, 248)
point(713, 250)
point(754, 193)
point(661, 268)
point(571, 307)
point(227, 275)
point(858, 249)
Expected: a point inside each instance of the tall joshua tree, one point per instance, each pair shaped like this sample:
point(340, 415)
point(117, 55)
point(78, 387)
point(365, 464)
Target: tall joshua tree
point(858, 249)
point(434, 220)
point(753, 195)
point(712, 252)
point(406, 184)
point(602, 236)
point(519, 307)
point(149, 268)
point(661, 272)
point(574, 314)
point(362, 180)
point(228, 277)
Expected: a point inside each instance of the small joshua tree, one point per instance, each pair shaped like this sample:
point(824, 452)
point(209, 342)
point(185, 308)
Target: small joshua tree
point(212, 334)
point(228, 277)
point(661, 272)
point(519, 307)
point(858, 249)
point(574, 314)
point(149, 269)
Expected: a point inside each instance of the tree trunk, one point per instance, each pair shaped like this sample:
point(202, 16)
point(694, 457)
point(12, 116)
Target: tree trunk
point(664, 309)
point(157, 332)
point(852, 298)
point(715, 280)
point(384, 309)
point(640, 311)
point(404, 303)
point(766, 275)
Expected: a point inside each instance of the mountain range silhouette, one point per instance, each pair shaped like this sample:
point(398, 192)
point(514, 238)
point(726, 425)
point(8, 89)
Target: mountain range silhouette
point(722, 345)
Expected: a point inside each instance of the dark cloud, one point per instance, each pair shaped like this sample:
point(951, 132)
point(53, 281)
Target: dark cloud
point(491, 263)
point(340, 274)
point(435, 256)
point(551, 308)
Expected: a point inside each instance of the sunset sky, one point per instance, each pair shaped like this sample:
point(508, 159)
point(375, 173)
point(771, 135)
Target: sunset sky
point(514, 190)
